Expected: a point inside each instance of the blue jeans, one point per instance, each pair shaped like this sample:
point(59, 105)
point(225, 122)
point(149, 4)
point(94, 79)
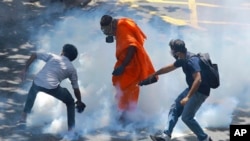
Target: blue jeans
point(188, 112)
point(60, 93)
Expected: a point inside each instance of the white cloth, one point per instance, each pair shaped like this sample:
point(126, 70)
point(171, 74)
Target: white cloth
point(56, 69)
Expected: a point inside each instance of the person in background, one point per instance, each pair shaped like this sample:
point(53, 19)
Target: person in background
point(190, 100)
point(48, 79)
point(133, 63)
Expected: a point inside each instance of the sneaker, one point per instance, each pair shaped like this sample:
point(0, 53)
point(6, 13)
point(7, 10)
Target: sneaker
point(207, 139)
point(161, 137)
point(70, 135)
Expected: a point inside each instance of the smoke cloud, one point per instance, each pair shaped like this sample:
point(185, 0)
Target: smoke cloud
point(227, 45)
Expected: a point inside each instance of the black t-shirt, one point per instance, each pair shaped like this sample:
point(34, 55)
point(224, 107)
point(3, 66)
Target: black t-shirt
point(190, 65)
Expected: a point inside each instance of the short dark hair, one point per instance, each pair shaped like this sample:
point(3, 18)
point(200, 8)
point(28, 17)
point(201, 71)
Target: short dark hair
point(106, 20)
point(178, 45)
point(70, 51)
point(171, 44)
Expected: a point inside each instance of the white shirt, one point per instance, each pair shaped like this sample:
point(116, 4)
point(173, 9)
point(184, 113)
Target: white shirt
point(56, 69)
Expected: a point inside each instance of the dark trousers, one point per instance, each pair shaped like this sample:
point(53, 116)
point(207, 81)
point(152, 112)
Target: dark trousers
point(60, 93)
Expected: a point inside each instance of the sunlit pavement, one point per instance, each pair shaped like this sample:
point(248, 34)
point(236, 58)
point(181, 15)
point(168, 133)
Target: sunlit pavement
point(194, 13)
point(180, 13)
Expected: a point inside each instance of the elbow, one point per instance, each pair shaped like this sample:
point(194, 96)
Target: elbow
point(199, 80)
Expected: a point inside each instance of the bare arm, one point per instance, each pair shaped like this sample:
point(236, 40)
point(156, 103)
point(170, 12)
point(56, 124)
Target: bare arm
point(79, 104)
point(164, 70)
point(28, 63)
point(77, 94)
point(30, 60)
point(161, 71)
point(154, 77)
point(119, 70)
point(194, 87)
point(129, 56)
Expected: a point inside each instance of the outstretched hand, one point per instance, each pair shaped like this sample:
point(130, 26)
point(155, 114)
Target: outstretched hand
point(80, 106)
point(151, 79)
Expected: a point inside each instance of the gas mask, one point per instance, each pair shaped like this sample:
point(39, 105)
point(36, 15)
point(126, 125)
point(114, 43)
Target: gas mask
point(108, 30)
point(173, 53)
point(109, 39)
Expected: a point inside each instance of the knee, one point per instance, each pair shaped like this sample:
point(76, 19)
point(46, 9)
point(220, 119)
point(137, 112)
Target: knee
point(70, 103)
point(69, 100)
point(185, 119)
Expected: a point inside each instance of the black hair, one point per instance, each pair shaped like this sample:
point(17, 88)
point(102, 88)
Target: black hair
point(171, 44)
point(106, 20)
point(70, 51)
point(178, 45)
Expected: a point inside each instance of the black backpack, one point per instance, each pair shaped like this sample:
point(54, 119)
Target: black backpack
point(210, 69)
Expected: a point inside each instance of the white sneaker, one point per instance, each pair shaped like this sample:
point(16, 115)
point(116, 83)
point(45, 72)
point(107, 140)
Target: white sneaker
point(208, 139)
point(70, 135)
point(161, 137)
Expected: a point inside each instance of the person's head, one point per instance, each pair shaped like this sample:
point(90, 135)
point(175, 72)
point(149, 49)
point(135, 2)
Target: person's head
point(178, 48)
point(107, 26)
point(70, 51)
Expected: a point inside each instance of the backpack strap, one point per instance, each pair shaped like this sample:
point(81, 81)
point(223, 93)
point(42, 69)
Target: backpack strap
point(205, 58)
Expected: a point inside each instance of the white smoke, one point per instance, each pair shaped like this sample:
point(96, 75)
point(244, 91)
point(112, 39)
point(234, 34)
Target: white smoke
point(95, 64)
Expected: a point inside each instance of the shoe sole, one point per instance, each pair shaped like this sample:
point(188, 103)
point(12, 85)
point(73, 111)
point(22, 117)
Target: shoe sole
point(153, 138)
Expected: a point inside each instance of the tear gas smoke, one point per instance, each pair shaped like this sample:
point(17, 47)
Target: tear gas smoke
point(95, 64)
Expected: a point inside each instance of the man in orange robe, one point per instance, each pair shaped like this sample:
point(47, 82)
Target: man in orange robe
point(133, 63)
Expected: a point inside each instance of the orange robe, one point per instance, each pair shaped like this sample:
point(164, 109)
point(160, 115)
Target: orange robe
point(139, 68)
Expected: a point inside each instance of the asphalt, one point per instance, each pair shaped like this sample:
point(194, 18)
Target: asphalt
point(16, 44)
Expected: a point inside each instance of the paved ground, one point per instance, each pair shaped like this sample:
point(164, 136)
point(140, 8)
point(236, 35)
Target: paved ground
point(19, 19)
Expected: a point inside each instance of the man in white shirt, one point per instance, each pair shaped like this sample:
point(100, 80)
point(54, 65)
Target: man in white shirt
point(48, 79)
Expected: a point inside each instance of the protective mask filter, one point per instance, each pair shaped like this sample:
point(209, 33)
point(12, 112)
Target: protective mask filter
point(109, 39)
point(174, 54)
